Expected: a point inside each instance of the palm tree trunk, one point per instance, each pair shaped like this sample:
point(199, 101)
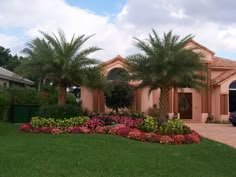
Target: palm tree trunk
point(163, 103)
point(62, 94)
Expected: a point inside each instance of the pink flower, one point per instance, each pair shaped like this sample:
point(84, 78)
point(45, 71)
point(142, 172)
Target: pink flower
point(26, 128)
point(165, 139)
point(56, 131)
point(93, 123)
point(84, 129)
point(47, 129)
point(123, 131)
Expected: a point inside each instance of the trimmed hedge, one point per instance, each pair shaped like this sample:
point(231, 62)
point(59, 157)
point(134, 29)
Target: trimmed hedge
point(59, 111)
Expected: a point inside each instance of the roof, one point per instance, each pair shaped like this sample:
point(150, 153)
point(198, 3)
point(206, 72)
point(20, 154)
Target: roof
point(203, 47)
point(222, 77)
point(117, 58)
point(8, 75)
point(223, 63)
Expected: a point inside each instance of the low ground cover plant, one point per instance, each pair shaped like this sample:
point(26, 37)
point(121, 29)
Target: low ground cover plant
point(39, 122)
point(145, 130)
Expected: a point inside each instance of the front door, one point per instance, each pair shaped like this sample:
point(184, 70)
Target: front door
point(185, 105)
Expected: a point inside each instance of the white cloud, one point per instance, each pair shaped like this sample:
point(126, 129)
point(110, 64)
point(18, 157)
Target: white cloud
point(51, 15)
point(14, 43)
point(212, 22)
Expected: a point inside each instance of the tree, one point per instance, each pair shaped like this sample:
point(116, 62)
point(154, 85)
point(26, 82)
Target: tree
point(165, 64)
point(4, 56)
point(61, 62)
point(7, 60)
point(121, 95)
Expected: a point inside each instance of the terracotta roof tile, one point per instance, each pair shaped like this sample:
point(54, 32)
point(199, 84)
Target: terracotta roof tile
point(225, 75)
point(223, 62)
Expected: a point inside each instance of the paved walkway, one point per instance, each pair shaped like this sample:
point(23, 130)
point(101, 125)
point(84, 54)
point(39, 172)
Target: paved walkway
point(224, 133)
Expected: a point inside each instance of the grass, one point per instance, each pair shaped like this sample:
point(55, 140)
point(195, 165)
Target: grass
point(42, 155)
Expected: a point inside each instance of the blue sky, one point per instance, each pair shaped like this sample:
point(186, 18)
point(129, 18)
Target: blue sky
point(101, 7)
point(116, 22)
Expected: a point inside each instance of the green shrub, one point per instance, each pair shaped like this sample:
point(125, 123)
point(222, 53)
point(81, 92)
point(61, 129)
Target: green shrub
point(46, 97)
point(70, 98)
point(121, 96)
point(4, 104)
point(173, 127)
point(23, 95)
point(149, 124)
point(51, 97)
point(39, 122)
point(59, 111)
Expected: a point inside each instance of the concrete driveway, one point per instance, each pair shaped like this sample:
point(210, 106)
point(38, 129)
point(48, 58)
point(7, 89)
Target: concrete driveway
point(224, 133)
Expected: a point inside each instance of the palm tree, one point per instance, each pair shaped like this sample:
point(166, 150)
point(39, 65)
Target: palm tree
point(62, 62)
point(166, 64)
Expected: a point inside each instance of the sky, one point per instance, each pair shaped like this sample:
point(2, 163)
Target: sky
point(115, 23)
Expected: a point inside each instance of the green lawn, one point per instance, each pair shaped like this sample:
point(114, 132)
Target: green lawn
point(42, 155)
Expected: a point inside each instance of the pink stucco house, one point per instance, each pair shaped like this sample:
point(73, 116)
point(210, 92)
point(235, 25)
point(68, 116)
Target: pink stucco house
point(219, 100)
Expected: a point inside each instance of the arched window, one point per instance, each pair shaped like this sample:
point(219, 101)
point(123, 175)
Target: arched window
point(232, 86)
point(117, 74)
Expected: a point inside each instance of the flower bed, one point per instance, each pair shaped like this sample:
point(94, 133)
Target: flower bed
point(124, 126)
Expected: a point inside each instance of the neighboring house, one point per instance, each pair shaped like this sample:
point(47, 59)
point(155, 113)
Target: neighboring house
point(8, 79)
point(219, 99)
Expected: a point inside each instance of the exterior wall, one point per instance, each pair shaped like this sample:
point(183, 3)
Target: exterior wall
point(143, 102)
point(147, 101)
point(214, 74)
point(224, 88)
point(87, 98)
point(2, 82)
point(207, 56)
point(155, 97)
point(216, 103)
point(116, 64)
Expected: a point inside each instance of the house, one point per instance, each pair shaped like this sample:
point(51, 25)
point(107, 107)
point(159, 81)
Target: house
point(8, 79)
point(219, 99)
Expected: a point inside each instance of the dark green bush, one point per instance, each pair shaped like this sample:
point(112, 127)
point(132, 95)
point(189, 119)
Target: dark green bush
point(51, 97)
point(70, 98)
point(46, 97)
point(23, 95)
point(4, 104)
point(120, 96)
point(59, 111)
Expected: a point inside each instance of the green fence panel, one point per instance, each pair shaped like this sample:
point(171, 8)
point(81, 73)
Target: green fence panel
point(23, 113)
